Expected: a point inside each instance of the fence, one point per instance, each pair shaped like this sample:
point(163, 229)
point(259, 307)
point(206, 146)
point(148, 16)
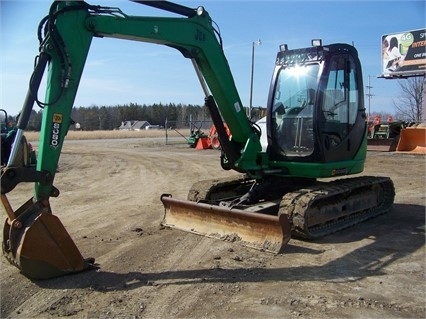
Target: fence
point(175, 130)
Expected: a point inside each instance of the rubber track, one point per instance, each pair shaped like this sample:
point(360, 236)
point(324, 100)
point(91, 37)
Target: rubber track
point(302, 205)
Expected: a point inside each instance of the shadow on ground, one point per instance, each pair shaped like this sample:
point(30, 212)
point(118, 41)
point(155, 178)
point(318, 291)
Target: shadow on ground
point(393, 236)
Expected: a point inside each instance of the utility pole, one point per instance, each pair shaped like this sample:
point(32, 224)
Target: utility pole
point(369, 87)
point(258, 42)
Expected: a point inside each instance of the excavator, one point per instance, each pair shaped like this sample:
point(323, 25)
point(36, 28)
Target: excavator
point(315, 132)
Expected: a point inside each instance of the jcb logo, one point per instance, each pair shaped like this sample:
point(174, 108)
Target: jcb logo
point(57, 118)
point(200, 36)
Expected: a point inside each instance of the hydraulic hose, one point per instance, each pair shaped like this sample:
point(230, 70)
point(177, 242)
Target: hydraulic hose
point(227, 147)
point(28, 104)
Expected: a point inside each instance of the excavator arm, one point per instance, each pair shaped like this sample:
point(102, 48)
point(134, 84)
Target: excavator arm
point(65, 36)
point(66, 49)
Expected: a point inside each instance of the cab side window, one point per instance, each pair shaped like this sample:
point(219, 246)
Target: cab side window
point(340, 101)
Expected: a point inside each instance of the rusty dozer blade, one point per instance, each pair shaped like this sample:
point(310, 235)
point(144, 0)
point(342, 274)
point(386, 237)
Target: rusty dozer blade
point(37, 243)
point(255, 230)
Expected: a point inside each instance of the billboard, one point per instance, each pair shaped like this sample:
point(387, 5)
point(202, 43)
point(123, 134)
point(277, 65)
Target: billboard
point(404, 53)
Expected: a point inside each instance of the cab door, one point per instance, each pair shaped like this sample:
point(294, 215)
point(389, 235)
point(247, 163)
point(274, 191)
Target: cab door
point(341, 113)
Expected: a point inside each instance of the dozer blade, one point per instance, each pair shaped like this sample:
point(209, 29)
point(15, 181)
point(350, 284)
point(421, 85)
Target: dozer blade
point(39, 245)
point(413, 140)
point(260, 231)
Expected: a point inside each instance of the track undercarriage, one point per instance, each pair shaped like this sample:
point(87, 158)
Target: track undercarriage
point(306, 208)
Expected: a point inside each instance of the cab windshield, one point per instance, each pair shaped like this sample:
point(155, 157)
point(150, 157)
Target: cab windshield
point(292, 111)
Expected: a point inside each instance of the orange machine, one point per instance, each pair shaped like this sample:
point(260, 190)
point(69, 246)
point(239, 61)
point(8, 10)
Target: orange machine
point(413, 140)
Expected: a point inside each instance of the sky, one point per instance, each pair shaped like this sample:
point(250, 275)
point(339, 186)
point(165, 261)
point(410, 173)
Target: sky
point(122, 72)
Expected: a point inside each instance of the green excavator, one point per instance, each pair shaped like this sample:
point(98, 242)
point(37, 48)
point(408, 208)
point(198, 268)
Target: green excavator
point(315, 132)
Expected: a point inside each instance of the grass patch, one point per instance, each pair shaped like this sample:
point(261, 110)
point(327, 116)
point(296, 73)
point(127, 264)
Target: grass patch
point(116, 134)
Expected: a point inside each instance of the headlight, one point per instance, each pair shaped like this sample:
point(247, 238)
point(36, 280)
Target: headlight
point(200, 10)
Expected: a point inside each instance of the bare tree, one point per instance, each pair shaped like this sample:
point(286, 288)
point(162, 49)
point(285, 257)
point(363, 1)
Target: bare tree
point(409, 106)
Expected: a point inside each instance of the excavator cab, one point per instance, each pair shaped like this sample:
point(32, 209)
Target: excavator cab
point(315, 108)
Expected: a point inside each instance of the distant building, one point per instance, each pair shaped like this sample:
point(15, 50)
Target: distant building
point(153, 127)
point(134, 125)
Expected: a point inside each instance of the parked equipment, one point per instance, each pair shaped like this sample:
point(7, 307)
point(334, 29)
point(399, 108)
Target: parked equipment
point(4, 124)
point(413, 140)
point(384, 134)
point(199, 140)
point(315, 129)
point(399, 136)
point(25, 155)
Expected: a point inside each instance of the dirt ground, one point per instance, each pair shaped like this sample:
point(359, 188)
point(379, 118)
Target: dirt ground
point(110, 205)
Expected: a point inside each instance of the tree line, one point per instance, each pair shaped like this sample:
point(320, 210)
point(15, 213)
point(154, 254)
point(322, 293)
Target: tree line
point(408, 107)
point(95, 117)
point(111, 117)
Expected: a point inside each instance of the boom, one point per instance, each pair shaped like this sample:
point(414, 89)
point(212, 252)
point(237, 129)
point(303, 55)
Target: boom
point(64, 49)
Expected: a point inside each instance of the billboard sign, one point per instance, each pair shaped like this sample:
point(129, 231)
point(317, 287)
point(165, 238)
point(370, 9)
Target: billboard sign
point(404, 54)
